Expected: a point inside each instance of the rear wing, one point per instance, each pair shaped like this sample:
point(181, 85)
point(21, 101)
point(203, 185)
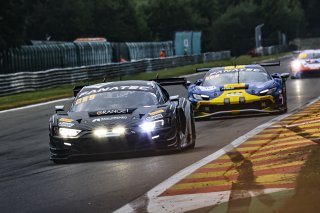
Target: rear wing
point(270, 64)
point(172, 81)
point(203, 69)
point(76, 89)
point(265, 64)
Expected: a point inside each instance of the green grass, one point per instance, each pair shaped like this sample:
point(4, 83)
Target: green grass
point(64, 91)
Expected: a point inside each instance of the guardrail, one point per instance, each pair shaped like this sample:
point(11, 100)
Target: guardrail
point(30, 81)
point(48, 56)
point(52, 55)
point(271, 50)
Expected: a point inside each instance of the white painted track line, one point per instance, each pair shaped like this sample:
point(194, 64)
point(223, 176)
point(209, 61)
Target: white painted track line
point(35, 105)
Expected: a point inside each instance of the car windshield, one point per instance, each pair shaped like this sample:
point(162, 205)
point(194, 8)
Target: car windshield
point(114, 100)
point(312, 55)
point(236, 76)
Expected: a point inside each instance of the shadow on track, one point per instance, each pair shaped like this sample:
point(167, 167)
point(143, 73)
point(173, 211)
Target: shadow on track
point(236, 117)
point(125, 156)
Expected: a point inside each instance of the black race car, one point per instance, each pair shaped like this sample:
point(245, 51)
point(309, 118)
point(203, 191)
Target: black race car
point(122, 116)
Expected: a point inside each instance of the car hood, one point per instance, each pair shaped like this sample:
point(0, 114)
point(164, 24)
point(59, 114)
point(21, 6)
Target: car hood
point(112, 117)
point(214, 91)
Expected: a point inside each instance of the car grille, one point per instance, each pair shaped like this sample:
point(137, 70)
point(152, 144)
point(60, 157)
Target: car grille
point(228, 107)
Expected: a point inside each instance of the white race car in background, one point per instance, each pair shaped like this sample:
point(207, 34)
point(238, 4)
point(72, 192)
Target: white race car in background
point(306, 64)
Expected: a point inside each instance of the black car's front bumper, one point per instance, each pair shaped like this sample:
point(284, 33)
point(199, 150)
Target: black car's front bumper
point(88, 144)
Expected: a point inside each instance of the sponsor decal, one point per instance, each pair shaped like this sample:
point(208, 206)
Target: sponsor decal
point(235, 94)
point(85, 99)
point(233, 87)
point(156, 112)
point(303, 55)
point(234, 67)
point(118, 88)
point(109, 119)
point(66, 124)
point(227, 70)
point(67, 120)
point(207, 88)
point(154, 117)
point(112, 111)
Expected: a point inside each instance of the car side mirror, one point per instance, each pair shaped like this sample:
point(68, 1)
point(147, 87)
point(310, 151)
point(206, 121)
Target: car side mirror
point(174, 98)
point(275, 75)
point(59, 108)
point(285, 75)
point(199, 82)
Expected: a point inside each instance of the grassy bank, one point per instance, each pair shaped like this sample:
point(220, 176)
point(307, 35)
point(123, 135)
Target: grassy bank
point(64, 91)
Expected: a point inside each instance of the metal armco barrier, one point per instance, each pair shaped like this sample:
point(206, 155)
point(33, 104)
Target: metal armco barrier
point(51, 55)
point(30, 81)
point(48, 56)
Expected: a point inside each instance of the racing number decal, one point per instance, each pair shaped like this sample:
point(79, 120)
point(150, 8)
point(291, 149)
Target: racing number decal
point(235, 94)
point(156, 112)
point(85, 99)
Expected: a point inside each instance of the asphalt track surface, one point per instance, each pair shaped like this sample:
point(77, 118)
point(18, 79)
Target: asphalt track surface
point(29, 182)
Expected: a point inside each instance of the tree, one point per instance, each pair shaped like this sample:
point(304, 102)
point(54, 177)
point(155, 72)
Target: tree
point(12, 22)
point(282, 16)
point(311, 11)
point(208, 11)
point(117, 20)
point(225, 24)
point(234, 29)
point(164, 17)
point(59, 19)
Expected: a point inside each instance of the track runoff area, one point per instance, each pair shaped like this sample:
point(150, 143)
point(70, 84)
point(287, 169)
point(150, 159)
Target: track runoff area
point(255, 173)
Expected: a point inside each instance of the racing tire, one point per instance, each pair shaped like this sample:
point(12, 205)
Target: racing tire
point(284, 108)
point(182, 140)
point(187, 139)
point(296, 76)
point(193, 131)
point(59, 161)
point(285, 101)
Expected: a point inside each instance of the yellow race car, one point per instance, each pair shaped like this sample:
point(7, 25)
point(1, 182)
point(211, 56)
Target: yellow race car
point(234, 90)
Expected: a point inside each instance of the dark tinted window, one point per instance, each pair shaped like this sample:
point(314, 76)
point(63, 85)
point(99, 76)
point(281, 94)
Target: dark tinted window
point(236, 76)
point(164, 94)
point(312, 55)
point(114, 100)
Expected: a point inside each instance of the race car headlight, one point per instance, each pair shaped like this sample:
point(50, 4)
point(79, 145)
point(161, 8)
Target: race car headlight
point(268, 91)
point(119, 130)
point(200, 97)
point(295, 65)
point(104, 132)
point(149, 126)
point(196, 96)
point(68, 133)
